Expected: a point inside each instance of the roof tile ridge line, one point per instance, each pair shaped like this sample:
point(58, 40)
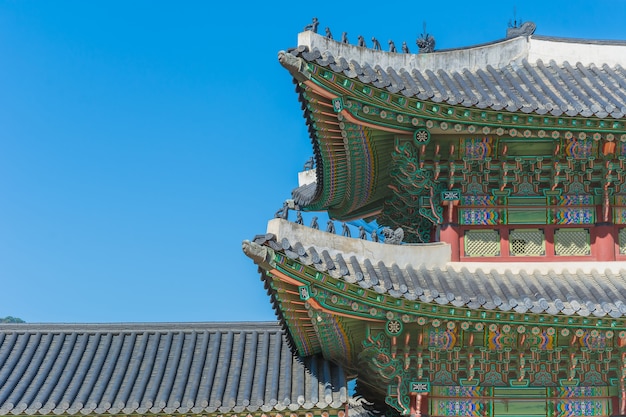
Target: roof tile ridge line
point(226, 352)
point(465, 88)
point(561, 288)
point(250, 363)
point(547, 284)
point(41, 388)
point(259, 398)
point(415, 286)
point(512, 76)
point(102, 386)
point(470, 278)
point(56, 398)
point(78, 394)
point(606, 302)
point(500, 283)
point(613, 102)
point(177, 395)
point(440, 88)
point(596, 296)
point(275, 372)
point(28, 370)
point(617, 75)
point(383, 272)
point(314, 386)
point(508, 278)
point(156, 378)
point(500, 101)
point(8, 367)
point(411, 87)
point(574, 298)
point(443, 277)
point(286, 370)
point(193, 389)
point(580, 85)
point(98, 362)
point(582, 282)
point(479, 88)
point(451, 86)
point(164, 395)
point(610, 83)
point(497, 295)
point(615, 282)
point(144, 379)
point(233, 374)
point(545, 70)
point(510, 90)
point(538, 291)
point(132, 373)
point(119, 372)
point(425, 280)
point(536, 77)
point(426, 87)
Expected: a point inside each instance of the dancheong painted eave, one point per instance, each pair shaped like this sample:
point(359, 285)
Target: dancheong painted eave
point(527, 74)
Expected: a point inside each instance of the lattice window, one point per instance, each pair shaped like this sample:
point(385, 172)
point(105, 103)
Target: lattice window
point(527, 242)
point(482, 243)
point(621, 236)
point(572, 242)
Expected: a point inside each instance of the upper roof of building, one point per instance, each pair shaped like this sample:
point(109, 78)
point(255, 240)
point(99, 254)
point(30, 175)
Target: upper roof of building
point(182, 368)
point(529, 74)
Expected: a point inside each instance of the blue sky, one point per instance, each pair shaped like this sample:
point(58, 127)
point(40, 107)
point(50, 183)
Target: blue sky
point(142, 141)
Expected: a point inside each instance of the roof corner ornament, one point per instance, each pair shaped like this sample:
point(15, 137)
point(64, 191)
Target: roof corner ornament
point(309, 164)
point(293, 64)
point(392, 46)
point(426, 42)
point(393, 237)
point(312, 26)
point(519, 28)
point(329, 35)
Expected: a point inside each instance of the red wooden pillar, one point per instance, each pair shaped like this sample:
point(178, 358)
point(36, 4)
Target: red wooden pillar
point(419, 404)
point(449, 233)
point(604, 242)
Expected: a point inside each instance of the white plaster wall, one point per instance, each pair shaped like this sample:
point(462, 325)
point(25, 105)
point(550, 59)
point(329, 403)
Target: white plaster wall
point(573, 52)
point(429, 254)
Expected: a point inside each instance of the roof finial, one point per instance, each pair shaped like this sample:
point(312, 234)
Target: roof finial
point(425, 43)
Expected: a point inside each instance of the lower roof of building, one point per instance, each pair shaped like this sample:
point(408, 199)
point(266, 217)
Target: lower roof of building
point(156, 368)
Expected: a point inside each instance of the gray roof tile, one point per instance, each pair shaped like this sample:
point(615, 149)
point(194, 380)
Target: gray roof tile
point(159, 368)
point(556, 87)
point(590, 292)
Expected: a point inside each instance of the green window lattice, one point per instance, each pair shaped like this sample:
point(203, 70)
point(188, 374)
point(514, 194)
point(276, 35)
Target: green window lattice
point(572, 242)
point(482, 243)
point(527, 242)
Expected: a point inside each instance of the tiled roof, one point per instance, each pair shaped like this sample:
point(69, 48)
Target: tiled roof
point(583, 289)
point(526, 83)
point(195, 368)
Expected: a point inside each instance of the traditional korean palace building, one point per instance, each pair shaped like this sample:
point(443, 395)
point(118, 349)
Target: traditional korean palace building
point(494, 283)
point(499, 173)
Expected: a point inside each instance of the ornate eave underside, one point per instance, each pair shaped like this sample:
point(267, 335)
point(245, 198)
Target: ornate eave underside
point(356, 110)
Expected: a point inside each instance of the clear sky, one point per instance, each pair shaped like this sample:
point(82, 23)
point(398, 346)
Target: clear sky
point(142, 141)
